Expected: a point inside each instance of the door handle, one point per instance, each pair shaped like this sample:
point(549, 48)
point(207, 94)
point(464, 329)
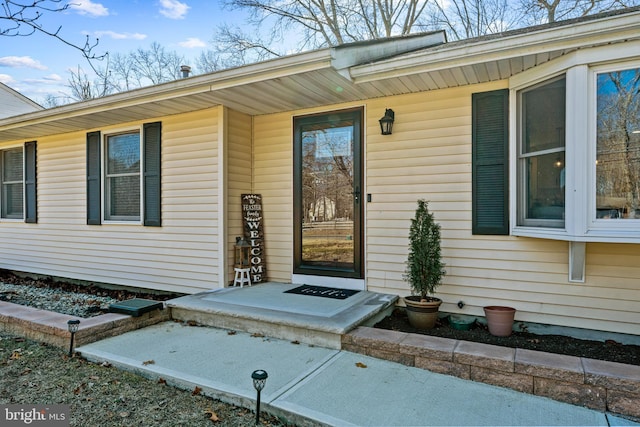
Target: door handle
point(356, 195)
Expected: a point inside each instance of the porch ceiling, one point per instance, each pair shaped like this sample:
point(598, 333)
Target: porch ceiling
point(309, 89)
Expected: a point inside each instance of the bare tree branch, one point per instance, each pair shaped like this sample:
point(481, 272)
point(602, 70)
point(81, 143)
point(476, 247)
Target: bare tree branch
point(22, 19)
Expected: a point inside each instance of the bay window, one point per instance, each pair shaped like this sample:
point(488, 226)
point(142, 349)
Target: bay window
point(575, 159)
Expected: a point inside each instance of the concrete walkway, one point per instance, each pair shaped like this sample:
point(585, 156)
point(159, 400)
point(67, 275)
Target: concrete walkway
point(318, 386)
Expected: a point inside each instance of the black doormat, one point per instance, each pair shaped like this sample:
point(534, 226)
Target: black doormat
point(321, 291)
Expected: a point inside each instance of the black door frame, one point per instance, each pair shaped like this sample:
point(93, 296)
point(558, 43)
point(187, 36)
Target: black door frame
point(356, 115)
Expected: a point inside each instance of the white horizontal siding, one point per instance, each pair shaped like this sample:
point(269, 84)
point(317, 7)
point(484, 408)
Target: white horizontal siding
point(180, 256)
point(12, 103)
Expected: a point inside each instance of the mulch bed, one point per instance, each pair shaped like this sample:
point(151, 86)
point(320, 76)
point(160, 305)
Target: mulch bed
point(608, 350)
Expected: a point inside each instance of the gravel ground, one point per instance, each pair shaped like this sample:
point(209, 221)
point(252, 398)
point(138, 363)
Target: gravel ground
point(65, 297)
point(58, 300)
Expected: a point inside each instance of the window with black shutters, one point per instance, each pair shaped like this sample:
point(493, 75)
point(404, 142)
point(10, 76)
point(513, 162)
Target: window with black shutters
point(123, 176)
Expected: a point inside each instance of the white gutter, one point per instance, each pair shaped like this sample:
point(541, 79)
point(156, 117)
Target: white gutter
point(459, 54)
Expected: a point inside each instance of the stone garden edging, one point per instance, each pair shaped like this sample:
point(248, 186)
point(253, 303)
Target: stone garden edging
point(51, 327)
point(595, 384)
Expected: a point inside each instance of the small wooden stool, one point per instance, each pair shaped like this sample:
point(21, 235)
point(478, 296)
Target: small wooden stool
point(242, 277)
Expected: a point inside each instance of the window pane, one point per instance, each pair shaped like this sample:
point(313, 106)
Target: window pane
point(12, 165)
point(12, 184)
point(123, 177)
point(327, 195)
point(123, 154)
point(545, 186)
point(541, 165)
point(124, 194)
point(618, 145)
point(543, 117)
point(12, 201)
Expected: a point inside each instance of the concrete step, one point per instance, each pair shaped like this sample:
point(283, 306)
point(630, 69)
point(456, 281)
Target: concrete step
point(267, 309)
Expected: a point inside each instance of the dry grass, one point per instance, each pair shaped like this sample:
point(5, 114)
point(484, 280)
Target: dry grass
point(34, 373)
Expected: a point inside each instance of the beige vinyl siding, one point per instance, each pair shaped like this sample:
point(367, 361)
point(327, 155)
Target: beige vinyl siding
point(429, 156)
point(238, 151)
point(179, 256)
point(273, 169)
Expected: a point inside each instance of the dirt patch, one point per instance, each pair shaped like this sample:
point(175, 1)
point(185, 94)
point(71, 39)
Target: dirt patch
point(98, 395)
point(608, 350)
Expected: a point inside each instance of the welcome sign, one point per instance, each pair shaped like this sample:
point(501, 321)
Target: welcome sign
point(252, 222)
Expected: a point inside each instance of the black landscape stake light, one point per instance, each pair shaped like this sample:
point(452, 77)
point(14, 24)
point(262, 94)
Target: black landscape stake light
point(73, 326)
point(259, 378)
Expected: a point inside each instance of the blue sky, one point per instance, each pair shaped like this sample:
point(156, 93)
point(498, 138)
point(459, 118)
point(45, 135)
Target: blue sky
point(38, 65)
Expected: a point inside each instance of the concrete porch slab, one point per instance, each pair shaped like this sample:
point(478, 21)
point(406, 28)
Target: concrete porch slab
point(266, 309)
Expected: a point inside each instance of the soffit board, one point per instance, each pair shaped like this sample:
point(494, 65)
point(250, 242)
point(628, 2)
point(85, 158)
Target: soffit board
point(498, 57)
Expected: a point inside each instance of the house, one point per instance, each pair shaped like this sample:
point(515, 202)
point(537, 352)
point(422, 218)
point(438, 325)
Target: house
point(524, 143)
point(13, 103)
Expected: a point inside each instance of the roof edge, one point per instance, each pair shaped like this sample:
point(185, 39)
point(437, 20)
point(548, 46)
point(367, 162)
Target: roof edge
point(609, 27)
point(364, 52)
point(265, 70)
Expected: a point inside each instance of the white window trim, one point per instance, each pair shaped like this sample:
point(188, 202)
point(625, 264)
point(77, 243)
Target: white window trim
point(580, 68)
point(519, 160)
point(24, 207)
point(105, 159)
point(594, 226)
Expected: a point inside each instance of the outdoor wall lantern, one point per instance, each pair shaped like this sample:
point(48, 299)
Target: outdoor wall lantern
point(242, 249)
point(73, 326)
point(386, 122)
point(259, 378)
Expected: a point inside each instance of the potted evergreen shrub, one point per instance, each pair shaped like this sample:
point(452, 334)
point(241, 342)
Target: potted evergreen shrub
point(424, 270)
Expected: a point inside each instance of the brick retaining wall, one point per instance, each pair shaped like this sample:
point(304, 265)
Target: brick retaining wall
point(595, 384)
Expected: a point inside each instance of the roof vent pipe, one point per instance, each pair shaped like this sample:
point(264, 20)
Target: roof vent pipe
point(185, 70)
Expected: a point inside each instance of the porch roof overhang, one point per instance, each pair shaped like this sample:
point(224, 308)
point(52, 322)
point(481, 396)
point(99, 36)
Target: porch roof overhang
point(496, 57)
point(348, 73)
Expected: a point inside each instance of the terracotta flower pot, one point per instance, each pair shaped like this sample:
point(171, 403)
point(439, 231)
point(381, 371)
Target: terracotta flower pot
point(499, 320)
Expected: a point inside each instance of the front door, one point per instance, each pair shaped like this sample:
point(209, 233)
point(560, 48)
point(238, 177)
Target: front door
point(327, 194)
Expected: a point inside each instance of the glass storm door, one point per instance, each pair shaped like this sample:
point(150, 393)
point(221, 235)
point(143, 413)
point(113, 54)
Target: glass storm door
point(327, 194)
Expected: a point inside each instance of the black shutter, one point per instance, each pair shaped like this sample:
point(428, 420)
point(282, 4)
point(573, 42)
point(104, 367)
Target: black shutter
point(94, 204)
point(152, 159)
point(30, 190)
point(490, 162)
